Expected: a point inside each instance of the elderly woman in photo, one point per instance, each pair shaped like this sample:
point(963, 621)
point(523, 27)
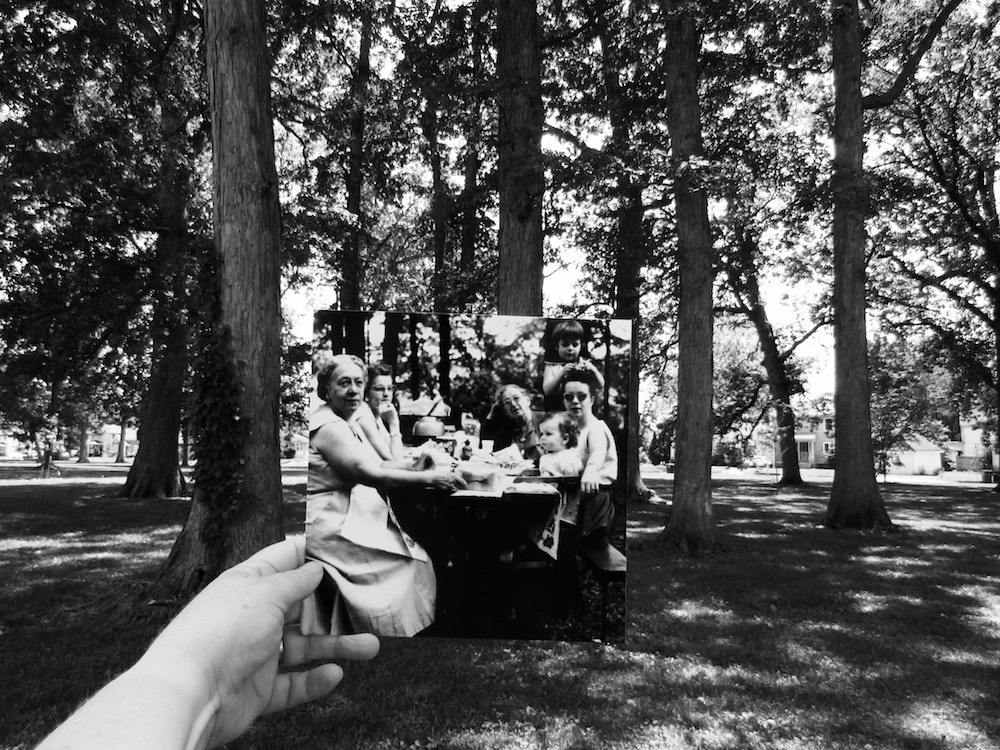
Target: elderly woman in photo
point(377, 579)
point(511, 421)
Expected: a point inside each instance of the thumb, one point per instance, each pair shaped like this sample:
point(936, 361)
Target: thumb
point(293, 586)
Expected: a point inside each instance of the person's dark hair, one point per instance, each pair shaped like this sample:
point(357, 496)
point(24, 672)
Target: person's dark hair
point(327, 372)
point(567, 426)
point(377, 370)
point(581, 376)
point(559, 330)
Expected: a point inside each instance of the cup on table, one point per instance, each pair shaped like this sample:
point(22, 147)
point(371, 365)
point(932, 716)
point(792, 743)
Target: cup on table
point(488, 446)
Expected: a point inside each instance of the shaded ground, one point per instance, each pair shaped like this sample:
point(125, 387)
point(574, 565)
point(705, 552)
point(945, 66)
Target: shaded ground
point(795, 637)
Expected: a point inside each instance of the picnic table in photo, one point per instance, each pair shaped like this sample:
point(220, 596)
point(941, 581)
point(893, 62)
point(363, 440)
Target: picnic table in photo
point(505, 548)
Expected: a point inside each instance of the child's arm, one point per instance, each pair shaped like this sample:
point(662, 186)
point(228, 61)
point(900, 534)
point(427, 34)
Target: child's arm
point(551, 375)
point(586, 364)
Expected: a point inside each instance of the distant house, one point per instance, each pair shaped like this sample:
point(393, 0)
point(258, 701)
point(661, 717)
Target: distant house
point(920, 456)
point(11, 449)
point(969, 453)
point(103, 442)
point(814, 442)
point(816, 446)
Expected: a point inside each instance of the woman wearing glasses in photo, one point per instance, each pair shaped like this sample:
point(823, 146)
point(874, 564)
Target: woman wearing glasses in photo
point(378, 418)
point(598, 452)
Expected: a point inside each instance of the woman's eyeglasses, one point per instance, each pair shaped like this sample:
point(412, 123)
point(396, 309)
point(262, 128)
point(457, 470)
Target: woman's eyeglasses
point(571, 397)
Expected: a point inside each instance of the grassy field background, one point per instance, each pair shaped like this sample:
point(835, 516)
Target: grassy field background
point(793, 637)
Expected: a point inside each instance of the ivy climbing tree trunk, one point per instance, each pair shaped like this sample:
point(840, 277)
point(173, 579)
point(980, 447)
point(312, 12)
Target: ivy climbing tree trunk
point(519, 158)
point(236, 508)
point(691, 523)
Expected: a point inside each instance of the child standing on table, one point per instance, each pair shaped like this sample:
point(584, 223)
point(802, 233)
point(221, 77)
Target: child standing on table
point(566, 352)
point(558, 435)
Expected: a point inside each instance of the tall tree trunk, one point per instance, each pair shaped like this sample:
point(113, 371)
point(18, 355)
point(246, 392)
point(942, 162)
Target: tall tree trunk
point(439, 204)
point(519, 158)
point(855, 501)
point(350, 285)
point(237, 504)
point(691, 523)
point(123, 430)
point(469, 199)
point(778, 383)
point(155, 472)
point(83, 432)
point(630, 246)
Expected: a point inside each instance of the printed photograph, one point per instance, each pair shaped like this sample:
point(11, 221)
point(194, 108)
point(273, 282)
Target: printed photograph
point(466, 475)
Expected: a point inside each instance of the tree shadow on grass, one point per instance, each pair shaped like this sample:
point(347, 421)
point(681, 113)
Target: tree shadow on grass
point(795, 637)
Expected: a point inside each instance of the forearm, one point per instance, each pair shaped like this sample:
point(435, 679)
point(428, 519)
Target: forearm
point(139, 708)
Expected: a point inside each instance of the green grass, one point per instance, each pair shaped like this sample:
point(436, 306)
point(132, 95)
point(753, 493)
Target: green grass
point(794, 637)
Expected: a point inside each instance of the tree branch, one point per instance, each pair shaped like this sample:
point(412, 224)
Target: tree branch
point(909, 69)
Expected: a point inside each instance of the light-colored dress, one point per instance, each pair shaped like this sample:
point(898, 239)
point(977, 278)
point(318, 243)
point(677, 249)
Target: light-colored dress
point(377, 579)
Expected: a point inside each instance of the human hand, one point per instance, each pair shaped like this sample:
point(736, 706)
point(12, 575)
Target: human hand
point(226, 645)
point(589, 482)
point(389, 416)
point(445, 480)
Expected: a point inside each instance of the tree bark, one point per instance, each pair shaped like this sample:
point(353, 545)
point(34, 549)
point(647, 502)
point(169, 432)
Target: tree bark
point(778, 383)
point(350, 286)
point(691, 523)
point(630, 243)
point(155, 472)
point(120, 455)
point(855, 501)
point(439, 203)
point(83, 456)
point(519, 158)
point(238, 514)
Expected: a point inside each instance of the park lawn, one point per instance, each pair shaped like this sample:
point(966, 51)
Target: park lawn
point(793, 637)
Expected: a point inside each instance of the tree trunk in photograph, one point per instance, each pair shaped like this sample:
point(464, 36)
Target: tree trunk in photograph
point(155, 472)
point(390, 342)
point(630, 258)
point(444, 365)
point(519, 158)
point(855, 501)
point(690, 524)
point(223, 529)
point(350, 285)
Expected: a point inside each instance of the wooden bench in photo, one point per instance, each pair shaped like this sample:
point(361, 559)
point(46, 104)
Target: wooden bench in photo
point(608, 565)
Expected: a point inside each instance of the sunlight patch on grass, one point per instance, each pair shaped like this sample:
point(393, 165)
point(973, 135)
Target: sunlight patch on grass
point(987, 614)
point(690, 610)
point(866, 602)
point(940, 722)
point(490, 735)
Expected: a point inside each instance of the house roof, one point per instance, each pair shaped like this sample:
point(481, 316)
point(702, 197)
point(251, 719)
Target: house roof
point(920, 443)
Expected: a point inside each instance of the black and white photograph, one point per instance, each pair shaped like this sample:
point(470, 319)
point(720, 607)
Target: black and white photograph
point(500, 374)
point(465, 477)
